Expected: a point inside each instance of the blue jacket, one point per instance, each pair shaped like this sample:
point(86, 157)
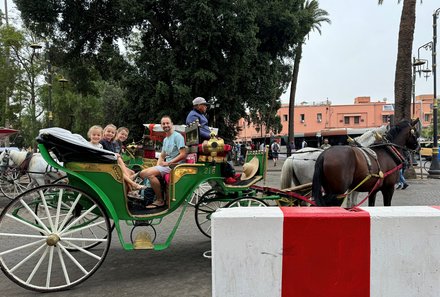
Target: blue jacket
point(194, 115)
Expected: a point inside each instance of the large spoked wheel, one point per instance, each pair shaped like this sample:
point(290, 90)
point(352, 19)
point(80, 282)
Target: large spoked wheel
point(44, 236)
point(247, 202)
point(199, 192)
point(13, 183)
point(207, 205)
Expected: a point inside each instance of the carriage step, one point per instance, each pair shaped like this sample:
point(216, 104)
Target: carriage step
point(143, 241)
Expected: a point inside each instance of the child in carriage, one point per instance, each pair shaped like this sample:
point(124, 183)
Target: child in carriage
point(108, 143)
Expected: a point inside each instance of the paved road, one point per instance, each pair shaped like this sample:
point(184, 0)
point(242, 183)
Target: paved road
point(182, 270)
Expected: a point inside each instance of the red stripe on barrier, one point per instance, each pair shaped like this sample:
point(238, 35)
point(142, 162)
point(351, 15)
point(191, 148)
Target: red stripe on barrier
point(436, 207)
point(326, 252)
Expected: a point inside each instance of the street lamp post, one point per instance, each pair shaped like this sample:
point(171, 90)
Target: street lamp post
point(214, 105)
point(63, 81)
point(49, 84)
point(32, 81)
point(434, 170)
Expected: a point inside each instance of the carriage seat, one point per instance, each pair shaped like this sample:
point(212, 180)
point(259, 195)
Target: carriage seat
point(69, 147)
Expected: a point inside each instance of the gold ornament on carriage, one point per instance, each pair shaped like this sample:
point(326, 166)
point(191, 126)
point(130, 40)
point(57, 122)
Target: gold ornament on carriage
point(213, 146)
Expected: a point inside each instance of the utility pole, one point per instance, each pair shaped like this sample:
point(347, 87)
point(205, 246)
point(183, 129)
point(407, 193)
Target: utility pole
point(6, 122)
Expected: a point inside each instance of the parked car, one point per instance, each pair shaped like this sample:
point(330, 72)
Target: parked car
point(426, 149)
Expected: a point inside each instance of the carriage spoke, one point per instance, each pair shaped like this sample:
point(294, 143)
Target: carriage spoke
point(84, 239)
point(83, 250)
point(21, 247)
point(69, 214)
point(77, 219)
point(82, 228)
point(46, 208)
point(27, 258)
point(49, 268)
point(57, 218)
point(37, 266)
point(208, 229)
point(68, 254)
point(32, 213)
point(27, 224)
point(63, 265)
point(24, 235)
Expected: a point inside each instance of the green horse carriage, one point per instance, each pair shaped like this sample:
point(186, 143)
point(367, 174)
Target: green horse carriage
point(54, 237)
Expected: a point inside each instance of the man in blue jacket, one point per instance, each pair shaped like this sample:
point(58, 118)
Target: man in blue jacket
point(198, 113)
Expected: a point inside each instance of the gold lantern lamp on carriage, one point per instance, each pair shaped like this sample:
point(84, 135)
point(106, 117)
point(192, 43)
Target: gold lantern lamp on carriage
point(213, 149)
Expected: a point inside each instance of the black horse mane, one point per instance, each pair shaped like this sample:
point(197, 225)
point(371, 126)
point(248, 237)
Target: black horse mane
point(396, 129)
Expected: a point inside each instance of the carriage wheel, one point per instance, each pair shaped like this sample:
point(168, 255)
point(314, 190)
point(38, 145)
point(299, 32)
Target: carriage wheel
point(64, 180)
point(13, 183)
point(35, 249)
point(207, 205)
point(199, 192)
point(88, 220)
point(247, 202)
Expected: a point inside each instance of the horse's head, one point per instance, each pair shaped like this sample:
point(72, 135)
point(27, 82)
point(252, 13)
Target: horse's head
point(5, 160)
point(405, 134)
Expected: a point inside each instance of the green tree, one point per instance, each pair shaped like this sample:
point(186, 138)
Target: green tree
point(178, 50)
point(9, 73)
point(314, 17)
point(403, 74)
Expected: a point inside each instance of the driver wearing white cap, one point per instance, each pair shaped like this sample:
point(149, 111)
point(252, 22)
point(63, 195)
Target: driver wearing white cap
point(198, 113)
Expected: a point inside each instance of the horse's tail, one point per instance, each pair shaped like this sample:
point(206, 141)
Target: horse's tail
point(316, 183)
point(287, 173)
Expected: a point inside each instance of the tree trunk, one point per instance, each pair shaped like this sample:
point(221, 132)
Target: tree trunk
point(293, 83)
point(403, 78)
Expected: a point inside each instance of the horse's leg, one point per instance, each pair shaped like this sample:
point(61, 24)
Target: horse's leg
point(351, 200)
point(387, 193)
point(287, 173)
point(372, 198)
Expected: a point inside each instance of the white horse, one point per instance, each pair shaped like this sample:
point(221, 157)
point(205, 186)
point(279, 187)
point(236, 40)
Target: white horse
point(39, 171)
point(299, 167)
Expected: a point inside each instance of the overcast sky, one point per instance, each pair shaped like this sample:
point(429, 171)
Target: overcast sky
point(356, 54)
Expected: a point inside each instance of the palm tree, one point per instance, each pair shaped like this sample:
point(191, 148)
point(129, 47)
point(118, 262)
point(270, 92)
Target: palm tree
point(403, 75)
point(314, 17)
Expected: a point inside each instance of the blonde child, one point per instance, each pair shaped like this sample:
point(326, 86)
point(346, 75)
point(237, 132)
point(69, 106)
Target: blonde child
point(95, 136)
point(121, 136)
point(107, 138)
point(108, 143)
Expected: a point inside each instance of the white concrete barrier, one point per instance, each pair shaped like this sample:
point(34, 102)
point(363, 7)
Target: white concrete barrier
point(313, 252)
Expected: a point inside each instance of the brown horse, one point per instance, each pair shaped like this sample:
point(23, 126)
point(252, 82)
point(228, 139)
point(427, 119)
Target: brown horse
point(340, 169)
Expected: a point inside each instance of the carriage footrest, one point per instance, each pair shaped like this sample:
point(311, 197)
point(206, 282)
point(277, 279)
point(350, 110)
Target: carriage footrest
point(143, 241)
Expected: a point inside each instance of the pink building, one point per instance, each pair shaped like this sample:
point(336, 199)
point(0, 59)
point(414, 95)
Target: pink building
point(319, 117)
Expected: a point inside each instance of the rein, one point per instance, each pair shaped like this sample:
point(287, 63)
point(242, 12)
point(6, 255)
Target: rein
point(376, 185)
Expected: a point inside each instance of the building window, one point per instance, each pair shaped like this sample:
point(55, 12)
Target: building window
point(319, 117)
point(356, 119)
point(302, 118)
point(347, 120)
point(427, 119)
point(285, 117)
point(388, 107)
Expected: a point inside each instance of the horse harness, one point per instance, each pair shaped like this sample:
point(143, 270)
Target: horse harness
point(368, 153)
point(24, 166)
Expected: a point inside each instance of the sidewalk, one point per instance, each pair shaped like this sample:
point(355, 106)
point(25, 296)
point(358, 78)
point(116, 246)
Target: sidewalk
point(270, 166)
